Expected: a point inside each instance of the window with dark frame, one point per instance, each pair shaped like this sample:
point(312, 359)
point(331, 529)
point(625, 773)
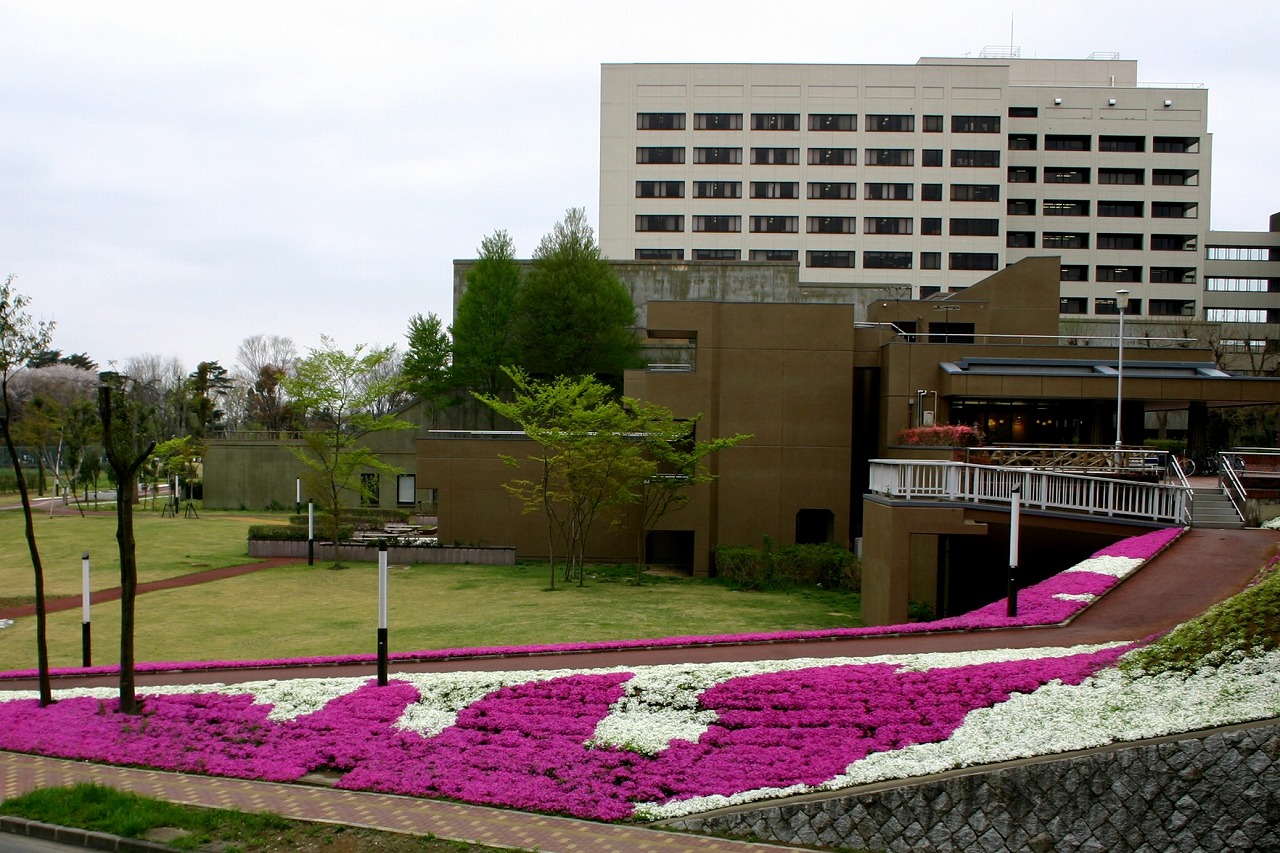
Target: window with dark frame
point(775, 224)
point(888, 225)
point(931, 226)
point(975, 124)
point(1123, 242)
point(775, 189)
point(831, 225)
point(775, 156)
point(833, 156)
point(889, 157)
point(659, 254)
point(1022, 142)
point(1064, 240)
point(775, 255)
point(1120, 208)
point(931, 192)
point(975, 192)
point(1122, 143)
point(886, 260)
point(717, 121)
point(933, 124)
point(659, 121)
point(832, 190)
point(1020, 239)
point(973, 261)
point(931, 157)
point(1065, 207)
point(1024, 112)
point(659, 189)
point(1021, 207)
point(1073, 272)
point(975, 159)
point(888, 192)
point(820, 259)
point(717, 224)
point(775, 121)
point(717, 155)
point(1065, 175)
point(659, 222)
point(717, 189)
point(838, 122)
point(930, 261)
point(662, 155)
point(717, 254)
point(974, 227)
point(1120, 176)
point(1066, 142)
point(890, 124)
point(1022, 175)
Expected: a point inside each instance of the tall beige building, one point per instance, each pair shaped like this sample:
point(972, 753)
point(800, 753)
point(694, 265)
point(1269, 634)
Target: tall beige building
point(926, 176)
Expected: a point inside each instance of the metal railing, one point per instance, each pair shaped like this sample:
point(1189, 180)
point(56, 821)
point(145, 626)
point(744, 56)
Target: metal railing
point(1077, 459)
point(1052, 491)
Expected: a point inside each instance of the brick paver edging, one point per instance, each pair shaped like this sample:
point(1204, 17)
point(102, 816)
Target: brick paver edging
point(455, 821)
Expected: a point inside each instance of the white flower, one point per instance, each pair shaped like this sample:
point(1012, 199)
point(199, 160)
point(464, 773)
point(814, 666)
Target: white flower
point(1116, 567)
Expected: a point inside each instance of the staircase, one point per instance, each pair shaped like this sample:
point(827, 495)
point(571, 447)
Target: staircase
point(1210, 508)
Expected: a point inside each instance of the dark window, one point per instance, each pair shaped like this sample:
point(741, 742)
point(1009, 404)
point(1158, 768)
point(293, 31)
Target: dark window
point(833, 190)
point(931, 226)
point(1173, 210)
point(888, 192)
point(1120, 176)
point(1122, 143)
point(1120, 241)
point(895, 123)
point(717, 254)
point(1022, 142)
point(975, 159)
point(930, 261)
point(717, 223)
point(1175, 144)
point(659, 121)
point(933, 124)
point(1065, 207)
point(887, 157)
point(1073, 272)
point(1173, 242)
point(975, 124)
point(833, 121)
point(1065, 142)
point(973, 261)
point(931, 192)
point(887, 225)
point(1073, 305)
point(1172, 307)
point(775, 224)
point(831, 224)
point(1020, 239)
point(1119, 208)
point(927, 290)
point(775, 189)
point(717, 189)
point(775, 255)
point(659, 254)
point(975, 227)
point(1064, 240)
point(659, 155)
point(717, 121)
point(1109, 273)
point(717, 155)
point(1175, 177)
point(1024, 112)
point(931, 157)
point(775, 121)
point(1021, 207)
point(1065, 175)
point(659, 189)
point(775, 156)
point(829, 259)
point(886, 260)
point(833, 156)
point(1107, 305)
point(1022, 174)
point(658, 222)
point(975, 192)
point(1172, 275)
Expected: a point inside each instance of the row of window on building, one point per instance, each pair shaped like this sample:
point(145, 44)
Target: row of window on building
point(904, 225)
point(830, 122)
point(1111, 305)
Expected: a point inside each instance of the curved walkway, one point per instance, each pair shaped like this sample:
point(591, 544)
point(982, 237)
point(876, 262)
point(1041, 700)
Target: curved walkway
point(1202, 568)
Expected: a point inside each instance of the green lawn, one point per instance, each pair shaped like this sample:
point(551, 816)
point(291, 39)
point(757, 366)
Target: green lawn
point(304, 611)
point(166, 547)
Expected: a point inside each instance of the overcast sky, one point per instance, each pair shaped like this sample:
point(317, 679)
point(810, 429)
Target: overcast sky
point(177, 176)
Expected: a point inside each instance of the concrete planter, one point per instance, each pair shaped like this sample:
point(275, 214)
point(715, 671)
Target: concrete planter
point(454, 555)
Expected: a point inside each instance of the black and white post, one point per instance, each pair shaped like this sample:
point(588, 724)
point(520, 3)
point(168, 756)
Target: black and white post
point(382, 613)
point(86, 640)
point(297, 497)
point(1015, 514)
point(311, 533)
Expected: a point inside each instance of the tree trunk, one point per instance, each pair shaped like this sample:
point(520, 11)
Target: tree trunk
point(42, 637)
point(128, 594)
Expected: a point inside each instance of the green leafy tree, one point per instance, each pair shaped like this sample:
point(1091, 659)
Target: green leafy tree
point(81, 433)
point(484, 337)
point(588, 464)
point(125, 438)
point(21, 337)
point(334, 391)
point(205, 387)
point(426, 367)
point(574, 317)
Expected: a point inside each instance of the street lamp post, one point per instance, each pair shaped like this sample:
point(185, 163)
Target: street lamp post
point(1122, 297)
point(1015, 521)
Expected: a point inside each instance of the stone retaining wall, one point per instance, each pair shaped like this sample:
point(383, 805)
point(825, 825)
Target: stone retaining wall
point(1218, 790)
point(458, 556)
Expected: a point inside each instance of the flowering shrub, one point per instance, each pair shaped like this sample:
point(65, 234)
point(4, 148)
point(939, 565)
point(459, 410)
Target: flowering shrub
point(941, 436)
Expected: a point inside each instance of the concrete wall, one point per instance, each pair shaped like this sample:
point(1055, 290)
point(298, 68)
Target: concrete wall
point(1218, 790)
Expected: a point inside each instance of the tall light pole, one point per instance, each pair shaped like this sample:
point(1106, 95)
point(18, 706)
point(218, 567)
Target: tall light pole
point(1122, 297)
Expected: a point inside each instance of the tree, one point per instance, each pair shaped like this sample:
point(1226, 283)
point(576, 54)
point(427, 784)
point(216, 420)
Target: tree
point(574, 317)
point(207, 385)
point(21, 337)
point(484, 338)
point(335, 391)
point(589, 462)
point(124, 438)
point(426, 367)
point(263, 361)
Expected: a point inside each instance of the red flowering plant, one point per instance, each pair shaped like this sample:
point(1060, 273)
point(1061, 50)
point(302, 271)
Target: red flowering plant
point(949, 435)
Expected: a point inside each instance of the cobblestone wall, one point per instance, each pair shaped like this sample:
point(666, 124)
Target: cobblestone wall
point(1219, 791)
